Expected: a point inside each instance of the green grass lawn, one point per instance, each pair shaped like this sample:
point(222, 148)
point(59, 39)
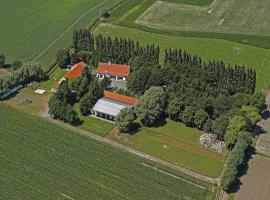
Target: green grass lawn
point(178, 144)
point(94, 125)
point(40, 160)
point(37, 29)
point(229, 52)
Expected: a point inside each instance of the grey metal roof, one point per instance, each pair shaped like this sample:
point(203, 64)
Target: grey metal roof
point(108, 106)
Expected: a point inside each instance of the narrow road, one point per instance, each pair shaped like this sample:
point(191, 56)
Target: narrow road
point(135, 152)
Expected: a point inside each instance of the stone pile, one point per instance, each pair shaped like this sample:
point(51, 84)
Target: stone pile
point(210, 140)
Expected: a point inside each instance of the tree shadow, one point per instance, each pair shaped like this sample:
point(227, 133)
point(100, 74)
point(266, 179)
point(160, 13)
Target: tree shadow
point(136, 127)
point(242, 170)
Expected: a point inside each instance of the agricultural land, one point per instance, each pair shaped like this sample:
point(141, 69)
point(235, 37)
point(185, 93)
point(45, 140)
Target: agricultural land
point(43, 161)
point(36, 29)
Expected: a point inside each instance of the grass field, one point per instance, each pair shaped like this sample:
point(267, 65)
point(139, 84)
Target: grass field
point(226, 16)
point(177, 144)
point(93, 125)
point(37, 29)
point(230, 52)
point(40, 160)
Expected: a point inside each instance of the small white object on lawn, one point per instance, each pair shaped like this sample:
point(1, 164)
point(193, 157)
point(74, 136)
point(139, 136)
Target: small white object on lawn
point(40, 91)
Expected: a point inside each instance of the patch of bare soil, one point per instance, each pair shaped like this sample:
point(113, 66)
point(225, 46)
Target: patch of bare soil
point(256, 184)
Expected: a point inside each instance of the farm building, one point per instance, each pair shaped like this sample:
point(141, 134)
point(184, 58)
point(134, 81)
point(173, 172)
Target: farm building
point(75, 72)
point(111, 104)
point(113, 71)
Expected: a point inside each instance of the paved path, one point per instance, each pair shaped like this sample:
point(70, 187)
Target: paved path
point(136, 152)
point(256, 184)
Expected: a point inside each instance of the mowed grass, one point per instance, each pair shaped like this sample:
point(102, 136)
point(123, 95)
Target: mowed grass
point(226, 16)
point(93, 125)
point(208, 48)
point(40, 160)
point(37, 29)
point(180, 145)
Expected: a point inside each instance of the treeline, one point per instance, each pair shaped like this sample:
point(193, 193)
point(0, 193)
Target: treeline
point(14, 66)
point(234, 162)
point(122, 50)
point(28, 73)
point(93, 49)
point(215, 76)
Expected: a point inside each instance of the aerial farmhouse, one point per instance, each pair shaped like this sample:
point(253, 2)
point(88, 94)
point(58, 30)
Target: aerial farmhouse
point(113, 71)
point(111, 104)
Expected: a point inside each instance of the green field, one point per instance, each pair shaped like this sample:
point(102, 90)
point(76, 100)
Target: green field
point(226, 16)
point(217, 49)
point(37, 29)
point(178, 144)
point(40, 160)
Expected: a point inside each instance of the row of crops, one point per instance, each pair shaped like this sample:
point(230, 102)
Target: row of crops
point(40, 160)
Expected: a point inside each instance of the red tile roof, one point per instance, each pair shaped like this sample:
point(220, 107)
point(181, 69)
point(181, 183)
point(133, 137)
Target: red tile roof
point(121, 98)
point(114, 69)
point(76, 70)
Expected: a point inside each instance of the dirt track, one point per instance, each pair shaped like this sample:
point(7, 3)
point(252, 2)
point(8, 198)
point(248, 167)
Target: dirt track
point(256, 184)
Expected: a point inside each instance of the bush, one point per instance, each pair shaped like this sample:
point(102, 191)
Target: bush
point(125, 120)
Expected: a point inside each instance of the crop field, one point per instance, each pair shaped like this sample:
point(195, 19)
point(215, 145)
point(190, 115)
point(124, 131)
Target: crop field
point(40, 160)
point(207, 48)
point(37, 29)
point(226, 16)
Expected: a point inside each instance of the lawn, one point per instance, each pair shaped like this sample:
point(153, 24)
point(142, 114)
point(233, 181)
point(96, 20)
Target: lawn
point(94, 125)
point(27, 100)
point(180, 145)
point(229, 16)
point(40, 160)
point(37, 29)
point(207, 48)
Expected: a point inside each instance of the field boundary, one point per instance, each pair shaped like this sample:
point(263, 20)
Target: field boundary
point(201, 177)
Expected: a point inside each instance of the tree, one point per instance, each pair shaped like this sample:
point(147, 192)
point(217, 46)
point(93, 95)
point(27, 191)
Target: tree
point(89, 100)
point(228, 178)
point(62, 58)
point(236, 125)
point(105, 83)
point(61, 110)
point(150, 106)
point(104, 12)
point(175, 108)
point(200, 118)
point(252, 113)
point(16, 65)
point(2, 60)
point(220, 125)
point(258, 101)
point(187, 116)
point(125, 120)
